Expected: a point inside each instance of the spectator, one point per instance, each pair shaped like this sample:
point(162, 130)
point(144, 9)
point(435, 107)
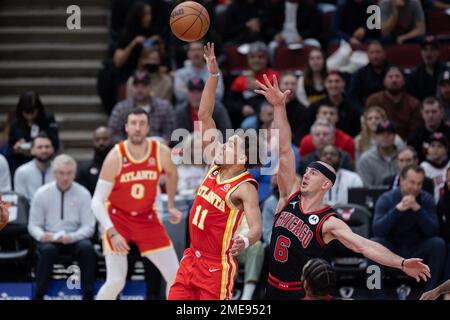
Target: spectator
point(369, 79)
point(441, 4)
point(139, 28)
point(406, 157)
point(31, 118)
point(341, 140)
point(444, 94)
point(295, 21)
point(402, 21)
point(150, 61)
point(88, 171)
point(371, 117)
point(401, 108)
point(311, 86)
point(378, 163)
point(269, 211)
point(437, 162)
point(187, 112)
point(39, 171)
point(162, 118)
point(5, 175)
point(252, 260)
point(348, 120)
point(345, 179)
point(406, 222)
point(195, 67)
point(444, 221)
point(191, 166)
point(422, 82)
point(295, 110)
point(246, 22)
point(61, 221)
point(350, 22)
point(433, 117)
point(322, 134)
point(243, 101)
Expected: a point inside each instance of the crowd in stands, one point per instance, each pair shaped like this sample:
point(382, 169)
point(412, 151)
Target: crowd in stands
point(382, 125)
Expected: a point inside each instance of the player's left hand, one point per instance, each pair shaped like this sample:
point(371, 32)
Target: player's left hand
point(175, 215)
point(272, 92)
point(238, 246)
point(415, 268)
point(4, 215)
point(210, 58)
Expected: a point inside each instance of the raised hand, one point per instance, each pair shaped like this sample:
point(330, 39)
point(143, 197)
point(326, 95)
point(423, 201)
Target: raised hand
point(272, 93)
point(415, 268)
point(210, 58)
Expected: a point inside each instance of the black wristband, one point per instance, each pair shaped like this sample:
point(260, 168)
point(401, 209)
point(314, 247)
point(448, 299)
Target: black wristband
point(403, 263)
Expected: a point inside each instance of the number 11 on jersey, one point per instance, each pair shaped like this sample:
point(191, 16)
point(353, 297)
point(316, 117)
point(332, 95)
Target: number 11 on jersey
point(202, 213)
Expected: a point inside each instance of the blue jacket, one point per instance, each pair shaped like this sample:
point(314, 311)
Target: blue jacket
point(405, 227)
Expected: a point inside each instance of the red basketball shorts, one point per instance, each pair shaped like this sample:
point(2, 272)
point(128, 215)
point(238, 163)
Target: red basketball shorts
point(204, 277)
point(144, 230)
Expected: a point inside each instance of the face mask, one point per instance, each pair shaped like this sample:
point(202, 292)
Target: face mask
point(152, 67)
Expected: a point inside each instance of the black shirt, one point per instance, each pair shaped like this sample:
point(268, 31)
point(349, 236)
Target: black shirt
point(296, 238)
point(418, 139)
point(421, 84)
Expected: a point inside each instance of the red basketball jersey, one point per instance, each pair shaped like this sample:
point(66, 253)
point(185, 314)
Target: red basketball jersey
point(136, 185)
point(213, 219)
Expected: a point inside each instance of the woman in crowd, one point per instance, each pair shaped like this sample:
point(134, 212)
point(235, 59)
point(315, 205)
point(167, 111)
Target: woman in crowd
point(311, 87)
point(31, 118)
point(160, 81)
point(366, 139)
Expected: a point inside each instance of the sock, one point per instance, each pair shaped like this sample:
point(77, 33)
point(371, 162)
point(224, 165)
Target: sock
point(249, 289)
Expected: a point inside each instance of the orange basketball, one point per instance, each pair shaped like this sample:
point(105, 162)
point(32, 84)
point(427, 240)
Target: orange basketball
point(189, 21)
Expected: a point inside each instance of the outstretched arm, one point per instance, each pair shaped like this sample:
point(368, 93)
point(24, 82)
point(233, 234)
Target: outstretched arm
point(4, 214)
point(334, 228)
point(437, 292)
point(287, 181)
point(205, 112)
point(171, 182)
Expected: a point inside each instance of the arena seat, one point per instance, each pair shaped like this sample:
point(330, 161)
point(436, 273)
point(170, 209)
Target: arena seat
point(15, 241)
point(236, 62)
point(286, 59)
point(438, 23)
point(348, 264)
point(404, 56)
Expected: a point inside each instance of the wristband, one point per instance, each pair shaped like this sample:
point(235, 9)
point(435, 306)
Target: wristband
point(246, 241)
point(216, 75)
point(403, 263)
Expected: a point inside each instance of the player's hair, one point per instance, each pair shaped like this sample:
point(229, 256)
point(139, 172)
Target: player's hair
point(412, 167)
point(64, 159)
point(320, 276)
point(138, 111)
point(253, 147)
point(41, 135)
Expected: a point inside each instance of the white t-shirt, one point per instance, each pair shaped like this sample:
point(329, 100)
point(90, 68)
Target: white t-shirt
point(345, 180)
point(438, 175)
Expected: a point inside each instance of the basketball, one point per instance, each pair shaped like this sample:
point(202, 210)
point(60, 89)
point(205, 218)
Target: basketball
point(189, 21)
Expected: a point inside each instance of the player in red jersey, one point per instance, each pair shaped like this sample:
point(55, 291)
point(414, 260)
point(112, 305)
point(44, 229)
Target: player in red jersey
point(128, 185)
point(208, 267)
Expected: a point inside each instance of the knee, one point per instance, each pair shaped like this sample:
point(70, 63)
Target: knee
point(48, 249)
point(85, 245)
point(436, 245)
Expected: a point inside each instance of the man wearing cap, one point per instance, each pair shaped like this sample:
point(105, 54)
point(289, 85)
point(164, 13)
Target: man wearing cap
point(187, 111)
point(437, 162)
point(422, 82)
point(401, 108)
point(433, 114)
point(303, 225)
point(162, 118)
point(378, 163)
point(443, 94)
point(406, 222)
